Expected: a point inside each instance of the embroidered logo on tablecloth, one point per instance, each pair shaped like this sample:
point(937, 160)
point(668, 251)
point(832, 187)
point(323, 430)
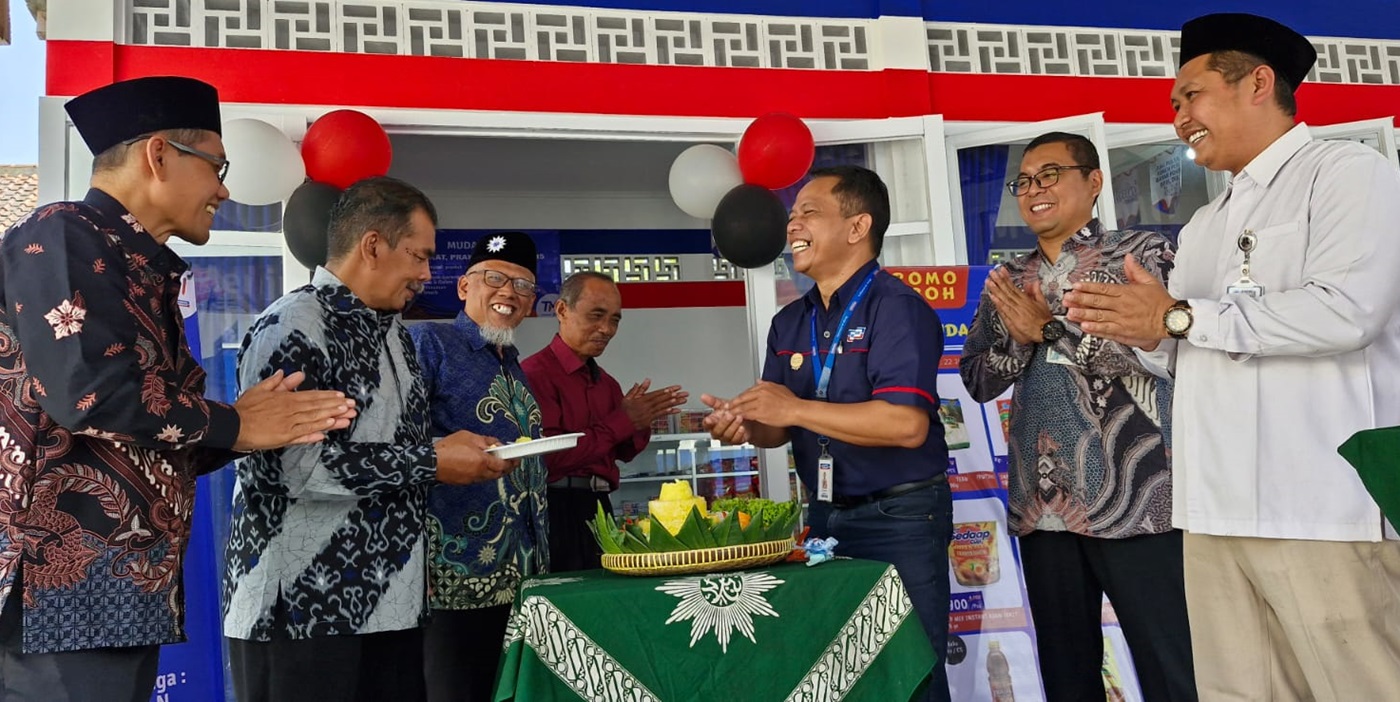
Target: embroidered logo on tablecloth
point(721, 603)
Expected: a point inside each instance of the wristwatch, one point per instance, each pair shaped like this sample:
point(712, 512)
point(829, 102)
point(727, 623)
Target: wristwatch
point(1178, 319)
point(1053, 330)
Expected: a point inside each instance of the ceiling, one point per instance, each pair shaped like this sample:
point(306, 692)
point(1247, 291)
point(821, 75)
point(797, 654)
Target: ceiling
point(509, 165)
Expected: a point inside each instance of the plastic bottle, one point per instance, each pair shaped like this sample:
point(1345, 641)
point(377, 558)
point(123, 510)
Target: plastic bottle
point(999, 674)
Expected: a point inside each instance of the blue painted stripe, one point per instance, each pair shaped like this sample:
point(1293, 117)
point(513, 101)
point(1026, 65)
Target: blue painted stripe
point(1367, 19)
point(790, 8)
point(634, 241)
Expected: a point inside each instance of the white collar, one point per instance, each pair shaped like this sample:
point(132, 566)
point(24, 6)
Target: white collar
point(1269, 162)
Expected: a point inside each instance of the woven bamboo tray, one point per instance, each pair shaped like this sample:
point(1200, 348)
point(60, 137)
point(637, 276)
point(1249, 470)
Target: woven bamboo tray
point(706, 560)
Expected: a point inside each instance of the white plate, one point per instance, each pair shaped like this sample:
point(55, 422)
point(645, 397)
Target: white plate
point(524, 449)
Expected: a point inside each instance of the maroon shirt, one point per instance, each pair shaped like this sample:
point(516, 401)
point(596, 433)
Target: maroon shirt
point(577, 396)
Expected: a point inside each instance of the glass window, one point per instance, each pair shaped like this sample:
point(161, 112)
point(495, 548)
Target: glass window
point(1156, 187)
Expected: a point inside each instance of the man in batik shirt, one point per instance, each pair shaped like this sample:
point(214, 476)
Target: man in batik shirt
point(1090, 483)
point(486, 537)
point(325, 556)
point(103, 421)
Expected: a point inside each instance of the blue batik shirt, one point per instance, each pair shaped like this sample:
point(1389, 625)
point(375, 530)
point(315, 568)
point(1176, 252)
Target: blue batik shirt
point(483, 538)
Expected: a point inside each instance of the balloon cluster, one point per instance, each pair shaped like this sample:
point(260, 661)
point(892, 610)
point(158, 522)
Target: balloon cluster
point(747, 220)
point(340, 148)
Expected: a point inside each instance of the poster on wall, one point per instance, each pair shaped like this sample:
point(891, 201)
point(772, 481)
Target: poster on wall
point(454, 248)
point(992, 640)
point(1166, 180)
point(1127, 199)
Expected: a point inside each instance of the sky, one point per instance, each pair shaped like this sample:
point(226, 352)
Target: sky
point(21, 84)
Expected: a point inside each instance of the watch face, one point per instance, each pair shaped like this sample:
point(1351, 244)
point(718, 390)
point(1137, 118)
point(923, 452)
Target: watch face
point(1053, 330)
point(1178, 320)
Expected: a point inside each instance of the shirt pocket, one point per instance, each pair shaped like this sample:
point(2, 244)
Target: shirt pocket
point(1277, 260)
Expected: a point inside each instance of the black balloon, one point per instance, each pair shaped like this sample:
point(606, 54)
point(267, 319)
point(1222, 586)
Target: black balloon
point(750, 226)
point(305, 220)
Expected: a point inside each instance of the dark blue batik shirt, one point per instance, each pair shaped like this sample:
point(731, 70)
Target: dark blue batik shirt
point(485, 537)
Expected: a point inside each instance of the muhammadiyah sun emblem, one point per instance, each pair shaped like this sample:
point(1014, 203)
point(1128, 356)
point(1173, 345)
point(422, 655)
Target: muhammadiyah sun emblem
point(721, 603)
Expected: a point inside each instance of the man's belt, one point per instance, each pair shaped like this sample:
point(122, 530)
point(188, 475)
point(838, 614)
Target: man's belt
point(846, 501)
point(580, 482)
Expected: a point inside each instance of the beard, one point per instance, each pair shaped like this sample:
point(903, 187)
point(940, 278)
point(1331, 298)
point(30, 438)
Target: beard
point(498, 336)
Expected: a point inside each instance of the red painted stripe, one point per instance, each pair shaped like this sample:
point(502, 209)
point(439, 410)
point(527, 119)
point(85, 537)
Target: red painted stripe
point(982, 97)
point(323, 78)
point(915, 391)
point(721, 293)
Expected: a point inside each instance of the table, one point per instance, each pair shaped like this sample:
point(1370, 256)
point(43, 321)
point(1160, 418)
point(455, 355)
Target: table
point(842, 630)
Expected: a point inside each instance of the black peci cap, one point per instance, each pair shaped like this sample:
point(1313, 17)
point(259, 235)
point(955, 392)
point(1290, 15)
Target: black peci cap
point(1289, 53)
point(115, 113)
point(511, 247)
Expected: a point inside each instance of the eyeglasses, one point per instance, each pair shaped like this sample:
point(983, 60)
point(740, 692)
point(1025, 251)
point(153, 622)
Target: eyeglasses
point(1043, 179)
point(496, 279)
point(220, 164)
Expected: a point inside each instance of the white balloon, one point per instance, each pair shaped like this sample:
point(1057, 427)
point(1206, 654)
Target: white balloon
point(700, 178)
point(264, 165)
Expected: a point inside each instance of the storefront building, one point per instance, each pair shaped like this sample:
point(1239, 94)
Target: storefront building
point(563, 119)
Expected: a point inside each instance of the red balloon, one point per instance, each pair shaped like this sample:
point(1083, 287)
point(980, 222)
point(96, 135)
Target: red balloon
point(776, 151)
point(345, 146)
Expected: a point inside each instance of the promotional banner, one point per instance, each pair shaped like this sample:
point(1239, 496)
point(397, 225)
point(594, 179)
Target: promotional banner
point(991, 642)
point(194, 670)
point(454, 248)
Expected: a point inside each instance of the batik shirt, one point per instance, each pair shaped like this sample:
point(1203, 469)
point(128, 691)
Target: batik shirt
point(101, 411)
point(327, 538)
point(1090, 425)
point(484, 537)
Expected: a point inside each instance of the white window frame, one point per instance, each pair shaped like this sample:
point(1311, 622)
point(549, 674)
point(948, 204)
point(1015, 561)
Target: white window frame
point(971, 134)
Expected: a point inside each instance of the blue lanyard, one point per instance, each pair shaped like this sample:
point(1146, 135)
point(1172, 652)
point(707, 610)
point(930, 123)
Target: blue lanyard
point(823, 373)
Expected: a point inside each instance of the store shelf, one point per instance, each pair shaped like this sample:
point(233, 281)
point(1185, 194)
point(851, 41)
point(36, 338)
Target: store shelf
point(713, 470)
point(686, 476)
point(698, 436)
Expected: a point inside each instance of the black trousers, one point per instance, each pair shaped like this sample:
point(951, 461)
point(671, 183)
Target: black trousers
point(381, 667)
point(462, 652)
point(94, 675)
point(571, 544)
point(1067, 576)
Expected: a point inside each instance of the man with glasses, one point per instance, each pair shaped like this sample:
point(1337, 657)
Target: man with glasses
point(577, 395)
point(325, 557)
point(1089, 494)
point(1282, 327)
point(484, 538)
point(103, 421)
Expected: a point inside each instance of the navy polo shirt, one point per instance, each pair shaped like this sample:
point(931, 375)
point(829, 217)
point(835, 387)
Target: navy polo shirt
point(889, 351)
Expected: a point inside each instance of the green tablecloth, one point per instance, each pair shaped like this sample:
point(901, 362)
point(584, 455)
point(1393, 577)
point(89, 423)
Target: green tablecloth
point(842, 630)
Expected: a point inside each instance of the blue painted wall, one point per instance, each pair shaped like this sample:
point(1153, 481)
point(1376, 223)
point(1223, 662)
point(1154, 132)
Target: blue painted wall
point(1374, 19)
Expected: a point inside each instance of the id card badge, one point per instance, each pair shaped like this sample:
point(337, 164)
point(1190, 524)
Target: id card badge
point(826, 475)
point(1247, 242)
point(1245, 286)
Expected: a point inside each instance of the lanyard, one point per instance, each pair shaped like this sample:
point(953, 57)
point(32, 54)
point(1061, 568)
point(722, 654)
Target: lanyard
point(822, 372)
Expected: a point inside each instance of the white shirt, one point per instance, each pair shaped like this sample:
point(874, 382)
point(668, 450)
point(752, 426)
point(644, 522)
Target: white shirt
point(1268, 388)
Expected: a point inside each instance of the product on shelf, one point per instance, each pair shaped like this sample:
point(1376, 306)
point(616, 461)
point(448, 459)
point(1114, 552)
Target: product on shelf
point(663, 425)
point(691, 421)
point(999, 674)
point(973, 553)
